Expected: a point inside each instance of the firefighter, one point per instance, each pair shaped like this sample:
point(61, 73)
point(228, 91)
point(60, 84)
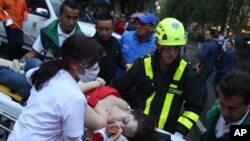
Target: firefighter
point(165, 82)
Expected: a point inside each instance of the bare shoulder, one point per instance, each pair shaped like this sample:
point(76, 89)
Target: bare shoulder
point(112, 100)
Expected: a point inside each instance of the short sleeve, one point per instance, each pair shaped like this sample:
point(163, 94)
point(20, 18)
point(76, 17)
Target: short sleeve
point(73, 116)
point(37, 46)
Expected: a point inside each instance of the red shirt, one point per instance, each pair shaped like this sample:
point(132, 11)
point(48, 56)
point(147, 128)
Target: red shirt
point(99, 93)
point(119, 27)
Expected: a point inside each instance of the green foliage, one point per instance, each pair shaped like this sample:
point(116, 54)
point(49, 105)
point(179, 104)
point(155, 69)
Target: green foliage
point(221, 13)
point(193, 36)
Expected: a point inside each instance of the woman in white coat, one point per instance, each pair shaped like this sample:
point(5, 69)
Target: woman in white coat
point(56, 106)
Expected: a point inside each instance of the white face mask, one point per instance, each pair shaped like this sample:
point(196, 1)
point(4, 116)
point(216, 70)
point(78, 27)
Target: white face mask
point(90, 73)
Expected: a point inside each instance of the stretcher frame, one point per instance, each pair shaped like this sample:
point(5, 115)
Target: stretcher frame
point(9, 110)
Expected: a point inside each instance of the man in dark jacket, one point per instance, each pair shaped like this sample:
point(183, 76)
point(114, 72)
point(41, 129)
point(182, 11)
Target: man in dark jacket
point(111, 57)
point(207, 61)
point(165, 81)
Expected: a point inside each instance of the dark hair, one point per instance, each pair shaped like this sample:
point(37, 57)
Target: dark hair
point(231, 42)
point(73, 4)
point(78, 48)
point(146, 127)
point(104, 16)
point(236, 83)
point(211, 32)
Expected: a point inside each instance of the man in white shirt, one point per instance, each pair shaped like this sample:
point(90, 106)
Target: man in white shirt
point(46, 47)
point(51, 37)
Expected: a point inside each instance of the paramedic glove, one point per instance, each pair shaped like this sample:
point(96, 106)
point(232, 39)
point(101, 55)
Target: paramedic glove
point(177, 137)
point(8, 22)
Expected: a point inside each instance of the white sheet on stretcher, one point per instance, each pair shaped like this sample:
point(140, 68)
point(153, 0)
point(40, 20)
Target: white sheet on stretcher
point(103, 131)
point(10, 107)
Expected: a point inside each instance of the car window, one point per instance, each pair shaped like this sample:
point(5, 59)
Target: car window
point(56, 6)
point(86, 16)
point(38, 7)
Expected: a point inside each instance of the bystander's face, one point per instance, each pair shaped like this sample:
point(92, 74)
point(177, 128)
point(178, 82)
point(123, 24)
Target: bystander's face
point(143, 30)
point(207, 35)
point(104, 29)
point(68, 19)
point(229, 45)
point(168, 53)
point(232, 108)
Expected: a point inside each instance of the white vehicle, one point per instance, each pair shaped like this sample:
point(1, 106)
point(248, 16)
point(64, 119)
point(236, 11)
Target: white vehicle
point(41, 13)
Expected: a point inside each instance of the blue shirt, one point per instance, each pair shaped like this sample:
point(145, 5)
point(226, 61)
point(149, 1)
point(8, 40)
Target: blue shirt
point(132, 48)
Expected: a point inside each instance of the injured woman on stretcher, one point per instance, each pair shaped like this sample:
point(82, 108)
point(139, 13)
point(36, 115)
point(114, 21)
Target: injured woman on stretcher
point(107, 113)
point(106, 107)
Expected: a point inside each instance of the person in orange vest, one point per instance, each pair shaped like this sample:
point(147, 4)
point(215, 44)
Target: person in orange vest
point(13, 13)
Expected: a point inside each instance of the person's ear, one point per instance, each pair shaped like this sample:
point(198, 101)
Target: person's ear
point(73, 65)
point(248, 106)
point(130, 110)
point(158, 45)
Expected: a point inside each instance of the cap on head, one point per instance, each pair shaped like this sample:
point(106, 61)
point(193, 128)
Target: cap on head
point(148, 18)
point(170, 32)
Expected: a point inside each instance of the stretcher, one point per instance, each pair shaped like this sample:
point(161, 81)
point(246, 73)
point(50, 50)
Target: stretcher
point(10, 109)
point(160, 135)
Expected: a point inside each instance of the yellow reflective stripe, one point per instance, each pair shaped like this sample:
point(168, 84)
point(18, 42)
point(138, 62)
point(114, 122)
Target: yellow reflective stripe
point(149, 73)
point(165, 110)
point(180, 70)
point(191, 115)
point(185, 121)
point(173, 86)
point(148, 67)
point(148, 103)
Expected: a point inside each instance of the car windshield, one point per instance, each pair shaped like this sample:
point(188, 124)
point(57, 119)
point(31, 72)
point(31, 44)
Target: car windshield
point(84, 15)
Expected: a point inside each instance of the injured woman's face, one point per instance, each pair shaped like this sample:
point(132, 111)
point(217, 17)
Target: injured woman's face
point(125, 119)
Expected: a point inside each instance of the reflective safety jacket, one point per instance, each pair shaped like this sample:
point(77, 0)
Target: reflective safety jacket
point(163, 93)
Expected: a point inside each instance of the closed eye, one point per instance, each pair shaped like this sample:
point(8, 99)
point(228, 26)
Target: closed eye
point(126, 120)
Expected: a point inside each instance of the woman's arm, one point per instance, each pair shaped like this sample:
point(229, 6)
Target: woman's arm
point(87, 86)
point(93, 120)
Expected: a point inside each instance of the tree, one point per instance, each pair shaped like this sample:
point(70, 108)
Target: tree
point(222, 13)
